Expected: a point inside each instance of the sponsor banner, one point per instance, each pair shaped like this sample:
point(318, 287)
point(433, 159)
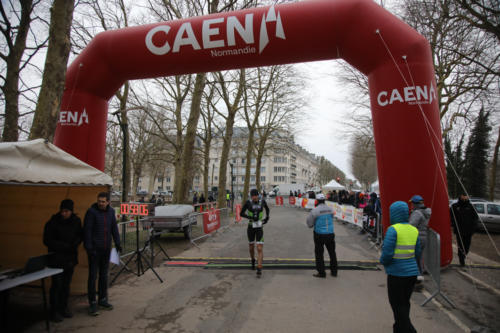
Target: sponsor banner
point(358, 217)
point(310, 204)
point(211, 220)
point(348, 213)
point(291, 200)
point(238, 212)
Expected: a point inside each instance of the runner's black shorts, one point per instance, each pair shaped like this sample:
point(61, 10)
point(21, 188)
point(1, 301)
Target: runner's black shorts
point(255, 235)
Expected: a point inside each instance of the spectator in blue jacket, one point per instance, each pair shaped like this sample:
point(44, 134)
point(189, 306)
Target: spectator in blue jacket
point(98, 228)
point(321, 219)
point(400, 254)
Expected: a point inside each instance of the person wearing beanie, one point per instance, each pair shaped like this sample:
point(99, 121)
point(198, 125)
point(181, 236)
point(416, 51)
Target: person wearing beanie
point(419, 218)
point(255, 232)
point(321, 219)
point(62, 235)
point(464, 220)
point(400, 254)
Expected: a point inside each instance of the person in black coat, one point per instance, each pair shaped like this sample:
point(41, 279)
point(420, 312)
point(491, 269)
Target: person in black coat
point(98, 228)
point(464, 220)
point(62, 235)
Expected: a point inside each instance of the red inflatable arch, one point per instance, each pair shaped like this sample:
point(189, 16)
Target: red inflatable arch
point(396, 59)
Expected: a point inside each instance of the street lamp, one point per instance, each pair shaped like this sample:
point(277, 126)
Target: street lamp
point(213, 167)
point(232, 189)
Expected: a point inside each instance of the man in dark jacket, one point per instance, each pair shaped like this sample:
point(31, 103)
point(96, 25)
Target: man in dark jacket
point(98, 228)
point(464, 221)
point(62, 235)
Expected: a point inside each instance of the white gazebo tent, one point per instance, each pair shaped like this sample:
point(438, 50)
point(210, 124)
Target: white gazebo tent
point(333, 185)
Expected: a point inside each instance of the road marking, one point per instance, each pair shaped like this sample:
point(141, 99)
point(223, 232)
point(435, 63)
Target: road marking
point(482, 283)
point(452, 317)
point(268, 259)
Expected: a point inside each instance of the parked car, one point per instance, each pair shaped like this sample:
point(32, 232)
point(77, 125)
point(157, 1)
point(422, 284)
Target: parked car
point(142, 192)
point(489, 213)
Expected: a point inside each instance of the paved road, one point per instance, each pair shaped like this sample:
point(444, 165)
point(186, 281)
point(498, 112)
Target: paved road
point(234, 300)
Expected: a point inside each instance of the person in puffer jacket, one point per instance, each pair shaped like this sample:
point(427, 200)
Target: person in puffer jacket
point(419, 218)
point(400, 253)
point(321, 219)
point(98, 228)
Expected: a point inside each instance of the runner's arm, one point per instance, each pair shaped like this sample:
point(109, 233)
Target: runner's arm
point(266, 207)
point(244, 209)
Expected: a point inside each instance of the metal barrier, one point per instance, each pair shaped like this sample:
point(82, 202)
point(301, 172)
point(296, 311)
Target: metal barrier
point(205, 206)
point(199, 233)
point(128, 236)
point(432, 263)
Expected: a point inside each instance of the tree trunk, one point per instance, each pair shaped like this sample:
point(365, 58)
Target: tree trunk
point(49, 100)
point(123, 119)
point(258, 164)
point(228, 136)
point(188, 147)
point(11, 84)
point(494, 162)
point(248, 164)
point(206, 163)
point(135, 181)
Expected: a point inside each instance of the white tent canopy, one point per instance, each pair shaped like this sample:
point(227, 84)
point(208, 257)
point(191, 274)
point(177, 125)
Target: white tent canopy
point(333, 185)
point(41, 162)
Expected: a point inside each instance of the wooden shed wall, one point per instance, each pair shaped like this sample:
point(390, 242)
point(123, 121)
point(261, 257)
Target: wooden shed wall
point(24, 211)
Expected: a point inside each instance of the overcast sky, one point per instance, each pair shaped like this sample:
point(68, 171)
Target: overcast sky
point(322, 132)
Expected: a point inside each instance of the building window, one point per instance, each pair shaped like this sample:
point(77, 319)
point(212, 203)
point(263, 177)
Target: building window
point(168, 179)
point(168, 188)
point(262, 169)
point(242, 178)
point(215, 178)
point(160, 179)
point(262, 178)
point(242, 161)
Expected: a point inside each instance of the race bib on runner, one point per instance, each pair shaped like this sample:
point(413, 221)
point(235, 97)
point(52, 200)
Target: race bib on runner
point(257, 224)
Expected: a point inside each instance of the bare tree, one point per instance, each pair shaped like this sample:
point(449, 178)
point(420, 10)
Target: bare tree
point(363, 160)
point(95, 16)
point(15, 25)
point(207, 131)
point(49, 100)
point(465, 59)
point(327, 171)
point(257, 94)
point(230, 90)
point(483, 15)
point(280, 113)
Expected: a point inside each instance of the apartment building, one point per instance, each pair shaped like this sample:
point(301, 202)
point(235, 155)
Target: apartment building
point(283, 162)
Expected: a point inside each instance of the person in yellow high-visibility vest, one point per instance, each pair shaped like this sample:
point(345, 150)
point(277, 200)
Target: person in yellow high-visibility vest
point(400, 253)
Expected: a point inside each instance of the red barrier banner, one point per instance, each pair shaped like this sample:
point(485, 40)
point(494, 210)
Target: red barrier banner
point(279, 201)
point(211, 221)
point(304, 202)
point(238, 212)
point(291, 200)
